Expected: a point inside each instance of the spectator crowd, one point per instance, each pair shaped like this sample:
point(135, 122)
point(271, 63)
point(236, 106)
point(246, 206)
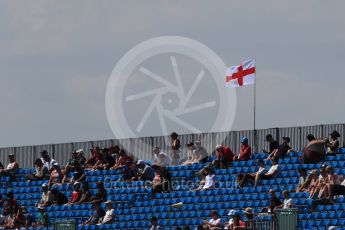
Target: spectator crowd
point(322, 184)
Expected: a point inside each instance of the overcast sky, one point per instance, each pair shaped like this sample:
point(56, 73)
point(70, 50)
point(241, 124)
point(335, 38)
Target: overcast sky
point(56, 58)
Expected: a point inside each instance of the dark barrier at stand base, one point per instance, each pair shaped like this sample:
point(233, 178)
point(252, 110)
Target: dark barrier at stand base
point(65, 225)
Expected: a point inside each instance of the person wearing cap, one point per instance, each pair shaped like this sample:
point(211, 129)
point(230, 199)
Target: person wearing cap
point(245, 151)
point(76, 194)
point(272, 144)
point(224, 156)
point(109, 214)
point(301, 187)
point(283, 150)
point(215, 222)
point(235, 221)
point(47, 197)
point(314, 151)
point(41, 172)
point(244, 179)
point(334, 144)
point(161, 158)
point(56, 175)
point(154, 224)
point(231, 214)
point(11, 167)
point(146, 172)
point(43, 218)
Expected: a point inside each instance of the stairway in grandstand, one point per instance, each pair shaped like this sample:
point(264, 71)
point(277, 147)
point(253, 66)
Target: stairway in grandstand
point(135, 206)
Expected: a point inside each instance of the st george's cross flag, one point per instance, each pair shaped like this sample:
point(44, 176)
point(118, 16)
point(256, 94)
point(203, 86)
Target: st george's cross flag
point(243, 74)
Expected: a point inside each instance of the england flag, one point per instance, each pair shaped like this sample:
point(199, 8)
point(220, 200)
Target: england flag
point(243, 74)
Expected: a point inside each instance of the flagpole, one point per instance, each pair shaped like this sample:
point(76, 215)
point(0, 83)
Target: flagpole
point(255, 135)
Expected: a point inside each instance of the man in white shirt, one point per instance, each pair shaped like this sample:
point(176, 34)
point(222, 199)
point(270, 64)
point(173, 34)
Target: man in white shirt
point(243, 179)
point(161, 158)
point(11, 167)
point(47, 160)
point(214, 223)
point(272, 172)
point(288, 202)
point(109, 214)
point(210, 180)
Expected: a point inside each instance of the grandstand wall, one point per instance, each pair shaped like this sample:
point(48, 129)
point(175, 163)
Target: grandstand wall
point(142, 147)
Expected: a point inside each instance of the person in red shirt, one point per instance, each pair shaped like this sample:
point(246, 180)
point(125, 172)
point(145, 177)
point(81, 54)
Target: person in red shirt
point(224, 156)
point(245, 151)
point(76, 194)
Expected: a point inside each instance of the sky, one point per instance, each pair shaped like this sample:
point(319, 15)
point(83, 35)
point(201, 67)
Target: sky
point(56, 59)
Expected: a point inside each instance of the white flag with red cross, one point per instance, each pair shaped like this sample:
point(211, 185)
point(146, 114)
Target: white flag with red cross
point(243, 74)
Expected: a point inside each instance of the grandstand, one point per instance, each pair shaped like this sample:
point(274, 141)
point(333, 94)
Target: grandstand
point(135, 205)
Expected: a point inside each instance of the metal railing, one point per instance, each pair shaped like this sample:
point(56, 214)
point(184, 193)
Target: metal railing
point(286, 219)
point(65, 225)
point(281, 219)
